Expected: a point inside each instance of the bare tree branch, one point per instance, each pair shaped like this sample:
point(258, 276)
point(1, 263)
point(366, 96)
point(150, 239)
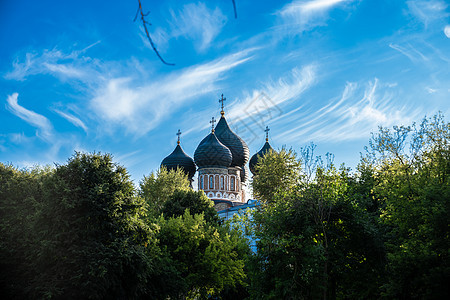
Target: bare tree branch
point(144, 22)
point(234, 7)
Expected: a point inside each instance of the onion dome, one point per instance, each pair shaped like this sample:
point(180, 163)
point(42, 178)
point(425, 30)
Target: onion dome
point(255, 158)
point(237, 146)
point(212, 153)
point(179, 159)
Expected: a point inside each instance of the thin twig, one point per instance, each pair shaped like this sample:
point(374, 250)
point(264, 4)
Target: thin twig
point(144, 22)
point(234, 7)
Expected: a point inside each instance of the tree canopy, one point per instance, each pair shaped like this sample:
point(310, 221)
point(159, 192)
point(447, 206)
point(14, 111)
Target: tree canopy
point(82, 230)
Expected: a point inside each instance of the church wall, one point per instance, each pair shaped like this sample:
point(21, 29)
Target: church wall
point(221, 184)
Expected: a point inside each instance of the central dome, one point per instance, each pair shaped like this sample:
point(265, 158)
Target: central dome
point(212, 153)
point(232, 141)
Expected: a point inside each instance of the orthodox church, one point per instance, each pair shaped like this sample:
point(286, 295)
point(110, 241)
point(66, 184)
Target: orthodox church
point(221, 162)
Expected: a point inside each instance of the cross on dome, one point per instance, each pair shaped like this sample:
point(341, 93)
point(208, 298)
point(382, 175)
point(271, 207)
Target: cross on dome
point(178, 133)
point(267, 133)
point(212, 124)
point(222, 100)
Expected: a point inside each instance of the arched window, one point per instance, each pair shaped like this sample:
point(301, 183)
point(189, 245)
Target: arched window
point(221, 183)
point(211, 182)
point(232, 183)
point(201, 182)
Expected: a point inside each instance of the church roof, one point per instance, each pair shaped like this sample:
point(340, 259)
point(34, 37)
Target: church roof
point(232, 141)
point(178, 158)
point(255, 158)
point(212, 153)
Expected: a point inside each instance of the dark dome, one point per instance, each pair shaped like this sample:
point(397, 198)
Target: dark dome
point(260, 153)
point(180, 159)
point(212, 153)
point(244, 174)
point(237, 146)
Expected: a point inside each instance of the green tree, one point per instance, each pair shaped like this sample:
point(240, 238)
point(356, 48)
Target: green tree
point(207, 258)
point(21, 198)
point(92, 237)
point(411, 171)
point(196, 202)
point(315, 241)
point(158, 187)
point(277, 172)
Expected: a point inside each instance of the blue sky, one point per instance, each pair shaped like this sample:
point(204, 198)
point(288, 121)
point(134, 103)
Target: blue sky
point(80, 75)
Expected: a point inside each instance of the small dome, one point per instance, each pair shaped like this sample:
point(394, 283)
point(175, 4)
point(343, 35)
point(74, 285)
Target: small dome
point(212, 153)
point(260, 153)
point(237, 146)
point(181, 160)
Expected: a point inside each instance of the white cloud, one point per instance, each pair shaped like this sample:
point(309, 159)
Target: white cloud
point(409, 51)
point(447, 31)
point(260, 107)
point(72, 119)
point(273, 94)
point(195, 22)
point(140, 108)
point(54, 62)
point(250, 113)
point(430, 90)
point(358, 111)
point(34, 119)
point(302, 15)
point(427, 11)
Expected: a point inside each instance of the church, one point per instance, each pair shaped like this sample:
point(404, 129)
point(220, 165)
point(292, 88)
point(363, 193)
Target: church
point(221, 163)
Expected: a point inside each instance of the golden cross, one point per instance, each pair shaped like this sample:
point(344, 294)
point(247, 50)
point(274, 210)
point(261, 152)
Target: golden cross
point(178, 133)
point(212, 122)
point(222, 100)
point(267, 133)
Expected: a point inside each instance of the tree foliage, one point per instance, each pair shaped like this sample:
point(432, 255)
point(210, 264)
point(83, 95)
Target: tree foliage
point(81, 229)
point(411, 167)
point(380, 232)
point(157, 188)
point(21, 198)
point(315, 242)
point(207, 258)
point(276, 172)
point(195, 202)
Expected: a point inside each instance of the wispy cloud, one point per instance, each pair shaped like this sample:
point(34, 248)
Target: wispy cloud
point(409, 51)
point(32, 118)
point(72, 119)
point(274, 93)
point(54, 62)
point(195, 22)
point(430, 90)
point(428, 11)
point(140, 108)
point(300, 15)
point(259, 107)
point(122, 96)
point(129, 159)
point(358, 111)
